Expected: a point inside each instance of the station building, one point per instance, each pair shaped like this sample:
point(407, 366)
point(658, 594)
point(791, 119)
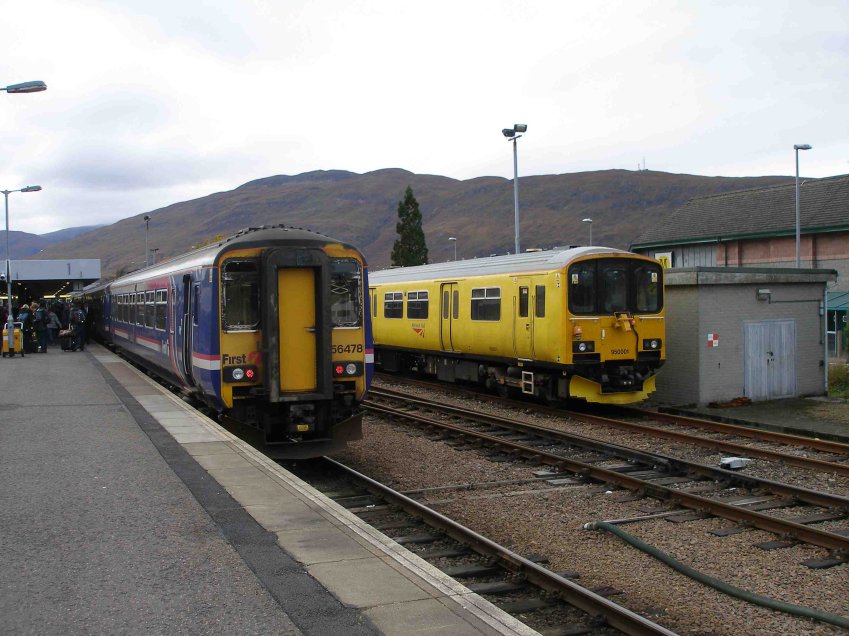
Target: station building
point(33, 280)
point(742, 319)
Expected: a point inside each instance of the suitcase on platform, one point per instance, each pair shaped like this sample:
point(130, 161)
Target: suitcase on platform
point(66, 337)
point(18, 343)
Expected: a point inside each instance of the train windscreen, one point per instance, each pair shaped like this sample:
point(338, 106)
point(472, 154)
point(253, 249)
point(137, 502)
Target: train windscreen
point(346, 296)
point(240, 295)
point(608, 286)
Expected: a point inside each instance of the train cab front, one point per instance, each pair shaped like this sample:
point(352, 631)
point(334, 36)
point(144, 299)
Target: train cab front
point(306, 392)
point(617, 327)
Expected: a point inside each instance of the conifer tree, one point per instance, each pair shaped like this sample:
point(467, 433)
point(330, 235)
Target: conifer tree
point(410, 248)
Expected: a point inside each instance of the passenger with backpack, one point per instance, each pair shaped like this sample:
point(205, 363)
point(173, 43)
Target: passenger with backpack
point(39, 323)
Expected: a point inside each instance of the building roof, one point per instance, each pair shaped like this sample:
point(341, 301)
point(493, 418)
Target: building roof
point(760, 212)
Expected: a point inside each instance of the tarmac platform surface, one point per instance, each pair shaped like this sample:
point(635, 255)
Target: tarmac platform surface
point(124, 511)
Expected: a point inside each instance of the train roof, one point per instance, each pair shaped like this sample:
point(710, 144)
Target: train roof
point(525, 262)
point(206, 256)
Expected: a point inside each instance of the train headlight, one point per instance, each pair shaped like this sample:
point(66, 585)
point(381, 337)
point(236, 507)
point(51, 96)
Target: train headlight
point(652, 344)
point(242, 373)
point(584, 346)
point(347, 369)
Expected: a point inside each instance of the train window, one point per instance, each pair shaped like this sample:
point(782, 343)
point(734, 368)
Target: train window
point(417, 302)
point(647, 288)
point(373, 304)
point(523, 302)
point(614, 287)
point(140, 309)
point(445, 298)
point(161, 309)
point(539, 309)
point(455, 308)
point(149, 309)
point(196, 306)
point(393, 305)
point(240, 295)
point(346, 301)
point(486, 303)
point(582, 288)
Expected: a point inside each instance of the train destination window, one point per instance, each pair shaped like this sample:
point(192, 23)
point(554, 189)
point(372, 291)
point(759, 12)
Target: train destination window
point(239, 295)
point(393, 305)
point(486, 303)
point(417, 302)
point(346, 293)
point(539, 310)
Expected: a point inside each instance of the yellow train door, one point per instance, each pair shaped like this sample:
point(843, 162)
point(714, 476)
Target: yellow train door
point(449, 313)
point(523, 320)
point(297, 324)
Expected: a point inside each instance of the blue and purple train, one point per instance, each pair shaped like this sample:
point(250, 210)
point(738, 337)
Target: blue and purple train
point(269, 327)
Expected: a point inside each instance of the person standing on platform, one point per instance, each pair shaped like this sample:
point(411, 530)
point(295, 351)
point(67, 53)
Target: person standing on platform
point(53, 326)
point(78, 325)
point(39, 323)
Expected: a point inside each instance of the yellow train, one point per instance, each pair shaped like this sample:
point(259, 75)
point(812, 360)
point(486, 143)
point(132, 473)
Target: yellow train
point(584, 322)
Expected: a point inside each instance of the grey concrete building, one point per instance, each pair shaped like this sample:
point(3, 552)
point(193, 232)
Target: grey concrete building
point(753, 332)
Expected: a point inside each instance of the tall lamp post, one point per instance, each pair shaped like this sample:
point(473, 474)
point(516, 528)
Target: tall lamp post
point(10, 319)
point(146, 231)
point(590, 221)
point(513, 135)
point(797, 148)
point(453, 239)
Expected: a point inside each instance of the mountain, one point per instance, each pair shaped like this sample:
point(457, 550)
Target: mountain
point(24, 244)
point(362, 209)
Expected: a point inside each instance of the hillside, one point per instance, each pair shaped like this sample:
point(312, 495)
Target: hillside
point(361, 209)
point(24, 244)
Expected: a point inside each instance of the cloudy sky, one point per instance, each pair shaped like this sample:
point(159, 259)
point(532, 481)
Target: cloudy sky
point(152, 102)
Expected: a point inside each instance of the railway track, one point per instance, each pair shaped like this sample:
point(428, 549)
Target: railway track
point(699, 490)
point(521, 586)
point(833, 456)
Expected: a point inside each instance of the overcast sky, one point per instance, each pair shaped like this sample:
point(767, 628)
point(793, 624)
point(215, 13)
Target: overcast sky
point(152, 102)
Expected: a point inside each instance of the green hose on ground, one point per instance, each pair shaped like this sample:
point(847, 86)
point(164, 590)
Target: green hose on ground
point(722, 586)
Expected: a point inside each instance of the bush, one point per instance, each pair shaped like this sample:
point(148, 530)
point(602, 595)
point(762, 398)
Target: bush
point(838, 380)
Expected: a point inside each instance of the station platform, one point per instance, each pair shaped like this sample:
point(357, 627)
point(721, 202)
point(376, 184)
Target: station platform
point(125, 511)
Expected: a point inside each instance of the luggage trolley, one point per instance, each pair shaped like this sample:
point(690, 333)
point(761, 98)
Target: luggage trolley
point(18, 340)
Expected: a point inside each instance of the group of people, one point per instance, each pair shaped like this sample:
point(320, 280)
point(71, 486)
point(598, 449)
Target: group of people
point(41, 326)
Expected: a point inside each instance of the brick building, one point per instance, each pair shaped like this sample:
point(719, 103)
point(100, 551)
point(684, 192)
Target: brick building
point(757, 228)
point(732, 270)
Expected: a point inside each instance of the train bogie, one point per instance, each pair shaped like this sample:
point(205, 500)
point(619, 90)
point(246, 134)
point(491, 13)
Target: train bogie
point(585, 323)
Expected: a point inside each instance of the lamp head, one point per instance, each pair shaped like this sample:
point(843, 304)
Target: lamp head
point(520, 128)
point(31, 189)
point(146, 217)
point(586, 220)
point(26, 87)
point(802, 146)
point(508, 132)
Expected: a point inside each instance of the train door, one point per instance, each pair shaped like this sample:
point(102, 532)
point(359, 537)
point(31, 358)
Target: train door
point(187, 327)
point(523, 320)
point(769, 366)
point(297, 324)
point(449, 306)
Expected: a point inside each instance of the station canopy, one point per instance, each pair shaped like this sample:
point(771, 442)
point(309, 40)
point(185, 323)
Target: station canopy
point(37, 279)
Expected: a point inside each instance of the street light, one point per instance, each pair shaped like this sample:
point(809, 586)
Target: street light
point(590, 221)
point(146, 230)
point(797, 148)
point(25, 87)
point(454, 240)
point(512, 135)
point(10, 319)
